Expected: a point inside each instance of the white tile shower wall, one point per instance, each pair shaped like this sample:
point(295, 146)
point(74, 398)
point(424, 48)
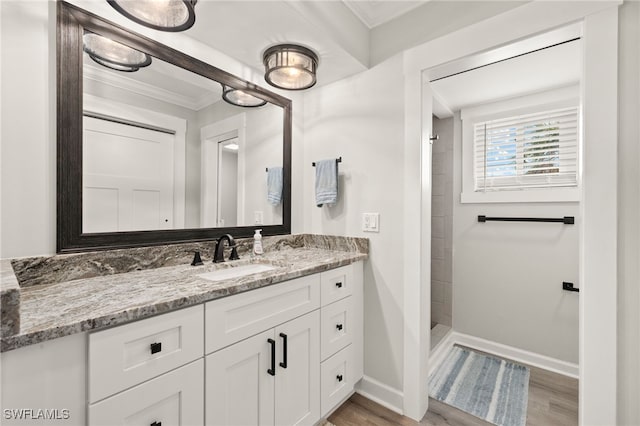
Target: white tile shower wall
point(441, 221)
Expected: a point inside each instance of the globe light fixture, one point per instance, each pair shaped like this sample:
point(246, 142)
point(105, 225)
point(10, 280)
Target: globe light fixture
point(114, 55)
point(162, 15)
point(240, 98)
point(290, 67)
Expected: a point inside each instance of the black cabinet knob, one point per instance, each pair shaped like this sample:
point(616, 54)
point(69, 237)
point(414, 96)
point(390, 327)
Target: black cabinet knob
point(155, 348)
point(156, 424)
point(339, 326)
point(339, 284)
point(339, 377)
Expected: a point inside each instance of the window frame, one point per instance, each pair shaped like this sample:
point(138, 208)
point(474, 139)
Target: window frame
point(548, 100)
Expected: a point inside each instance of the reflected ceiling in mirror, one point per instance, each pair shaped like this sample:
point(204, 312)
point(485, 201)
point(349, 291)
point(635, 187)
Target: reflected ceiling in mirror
point(160, 155)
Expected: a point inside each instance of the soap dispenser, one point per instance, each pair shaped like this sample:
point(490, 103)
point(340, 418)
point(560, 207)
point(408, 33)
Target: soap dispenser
point(257, 243)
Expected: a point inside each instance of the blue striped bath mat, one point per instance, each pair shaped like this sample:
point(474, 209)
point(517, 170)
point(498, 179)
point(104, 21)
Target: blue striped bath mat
point(489, 388)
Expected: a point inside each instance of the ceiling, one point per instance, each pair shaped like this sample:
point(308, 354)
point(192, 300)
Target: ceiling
point(160, 80)
point(546, 69)
point(339, 31)
point(374, 13)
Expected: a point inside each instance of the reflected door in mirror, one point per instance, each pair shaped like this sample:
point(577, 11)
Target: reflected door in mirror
point(128, 177)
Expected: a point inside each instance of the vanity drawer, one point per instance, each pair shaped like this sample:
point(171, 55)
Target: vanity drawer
point(127, 355)
point(336, 284)
point(337, 379)
point(336, 327)
point(232, 319)
point(173, 399)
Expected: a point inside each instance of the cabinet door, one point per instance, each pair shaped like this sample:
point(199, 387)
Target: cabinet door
point(239, 390)
point(298, 377)
point(173, 399)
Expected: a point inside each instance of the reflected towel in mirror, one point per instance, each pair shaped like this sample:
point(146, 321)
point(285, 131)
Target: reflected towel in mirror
point(274, 185)
point(326, 182)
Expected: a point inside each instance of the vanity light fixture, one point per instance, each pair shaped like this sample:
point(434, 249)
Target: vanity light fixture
point(240, 98)
point(162, 15)
point(290, 67)
point(114, 55)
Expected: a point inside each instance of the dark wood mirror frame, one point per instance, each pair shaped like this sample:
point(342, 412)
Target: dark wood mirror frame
point(71, 23)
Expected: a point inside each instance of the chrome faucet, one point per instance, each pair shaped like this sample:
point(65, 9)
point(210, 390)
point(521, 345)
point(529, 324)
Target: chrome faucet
point(218, 255)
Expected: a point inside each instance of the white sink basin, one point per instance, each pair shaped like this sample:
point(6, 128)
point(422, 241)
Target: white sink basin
point(236, 272)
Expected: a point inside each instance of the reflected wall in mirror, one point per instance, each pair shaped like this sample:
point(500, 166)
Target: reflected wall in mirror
point(151, 154)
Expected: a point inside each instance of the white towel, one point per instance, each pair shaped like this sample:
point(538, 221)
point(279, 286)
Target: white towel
point(274, 185)
point(326, 182)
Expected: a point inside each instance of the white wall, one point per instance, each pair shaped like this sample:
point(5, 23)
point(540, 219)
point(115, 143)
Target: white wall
point(628, 214)
point(229, 189)
point(507, 277)
point(263, 150)
point(28, 187)
point(28, 155)
point(361, 118)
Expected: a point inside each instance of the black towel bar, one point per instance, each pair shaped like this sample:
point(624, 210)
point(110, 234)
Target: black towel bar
point(567, 220)
point(338, 160)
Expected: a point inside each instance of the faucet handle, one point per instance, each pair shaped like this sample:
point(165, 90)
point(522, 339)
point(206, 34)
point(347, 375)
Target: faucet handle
point(197, 260)
point(234, 254)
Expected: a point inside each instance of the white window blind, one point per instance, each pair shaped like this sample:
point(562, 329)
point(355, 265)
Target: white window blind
point(538, 150)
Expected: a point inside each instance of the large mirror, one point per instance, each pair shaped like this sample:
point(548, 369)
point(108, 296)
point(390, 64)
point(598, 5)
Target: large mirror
point(155, 153)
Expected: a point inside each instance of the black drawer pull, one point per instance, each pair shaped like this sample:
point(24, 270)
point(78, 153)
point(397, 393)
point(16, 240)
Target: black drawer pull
point(156, 347)
point(339, 284)
point(339, 377)
point(156, 424)
point(339, 326)
point(272, 370)
point(283, 364)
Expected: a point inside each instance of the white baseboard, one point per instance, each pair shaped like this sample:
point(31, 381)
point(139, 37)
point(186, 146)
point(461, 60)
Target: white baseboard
point(519, 355)
point(382, 394)
point(439, 353)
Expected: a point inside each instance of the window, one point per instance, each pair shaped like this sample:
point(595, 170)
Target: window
point(538, 150)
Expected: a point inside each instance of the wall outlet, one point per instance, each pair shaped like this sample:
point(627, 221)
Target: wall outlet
point(258, 217)
point(371, 222)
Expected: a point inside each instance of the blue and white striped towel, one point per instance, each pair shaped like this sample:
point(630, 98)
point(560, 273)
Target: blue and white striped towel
point(326, 182)
point(274, 185)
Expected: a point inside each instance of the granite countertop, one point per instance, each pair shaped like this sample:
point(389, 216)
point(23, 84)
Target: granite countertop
point(53, 310)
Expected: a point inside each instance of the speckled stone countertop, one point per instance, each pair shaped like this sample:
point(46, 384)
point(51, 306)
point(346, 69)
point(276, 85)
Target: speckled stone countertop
point(56, 309)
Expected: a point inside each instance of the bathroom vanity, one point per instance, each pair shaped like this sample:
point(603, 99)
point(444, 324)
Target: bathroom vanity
point(188, 345)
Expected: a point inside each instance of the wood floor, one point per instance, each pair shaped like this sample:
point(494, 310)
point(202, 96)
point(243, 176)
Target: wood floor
point(553, 401)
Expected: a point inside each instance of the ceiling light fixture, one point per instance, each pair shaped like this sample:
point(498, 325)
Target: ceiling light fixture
point(240, 98)
point(290, 67)
point(114, 55)
point(162, 15)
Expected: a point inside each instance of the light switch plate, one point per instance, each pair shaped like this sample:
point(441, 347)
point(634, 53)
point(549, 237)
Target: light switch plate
point(371, 222)
point(258, 217)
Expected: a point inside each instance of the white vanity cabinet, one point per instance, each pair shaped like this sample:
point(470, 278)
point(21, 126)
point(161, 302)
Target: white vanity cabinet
point(260, 382)
point(148, 372)
point(172, 399)
point(286, 354)
point(342, 334)
point(219, 363)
